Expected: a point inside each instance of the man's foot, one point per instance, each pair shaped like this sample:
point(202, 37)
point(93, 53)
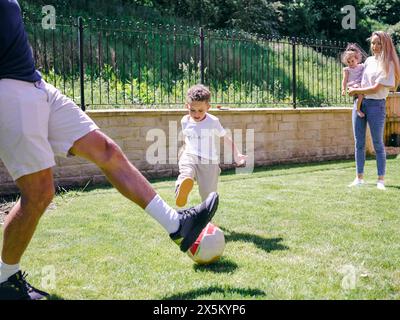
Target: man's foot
point(17, 288)
point(381, 185)
point(193, 221)
point(183, 190)
point(360, 114)
point(356, 183)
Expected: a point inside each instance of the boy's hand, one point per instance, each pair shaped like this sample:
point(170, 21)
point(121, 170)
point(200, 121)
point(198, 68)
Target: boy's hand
point(240, 160)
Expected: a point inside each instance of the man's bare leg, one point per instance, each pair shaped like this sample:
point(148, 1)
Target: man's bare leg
point(37, 191)
point(106, 154)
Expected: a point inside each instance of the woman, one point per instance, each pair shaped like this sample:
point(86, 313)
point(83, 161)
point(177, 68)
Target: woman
point(381, 73)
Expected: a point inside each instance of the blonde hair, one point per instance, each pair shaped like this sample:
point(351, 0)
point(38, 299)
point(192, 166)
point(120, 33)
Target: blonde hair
point(388, 55)
point(352, 50)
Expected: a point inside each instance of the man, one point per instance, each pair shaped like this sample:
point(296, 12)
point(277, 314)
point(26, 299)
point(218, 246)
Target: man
point(37, 122)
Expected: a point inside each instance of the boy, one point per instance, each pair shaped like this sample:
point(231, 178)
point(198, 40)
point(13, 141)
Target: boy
point(199, 158)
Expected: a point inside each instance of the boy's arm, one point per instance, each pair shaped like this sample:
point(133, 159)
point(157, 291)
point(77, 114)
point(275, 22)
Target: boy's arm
point(344, 81)
point(239, 158)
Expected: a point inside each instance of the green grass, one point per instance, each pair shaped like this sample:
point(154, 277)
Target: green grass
point(290, 232)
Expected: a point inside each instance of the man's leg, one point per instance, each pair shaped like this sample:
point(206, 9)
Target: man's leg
point(106, 154)
point(37, 191)
point(28, 157)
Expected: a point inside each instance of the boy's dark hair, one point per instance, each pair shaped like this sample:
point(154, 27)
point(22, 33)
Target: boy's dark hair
point(198, 92)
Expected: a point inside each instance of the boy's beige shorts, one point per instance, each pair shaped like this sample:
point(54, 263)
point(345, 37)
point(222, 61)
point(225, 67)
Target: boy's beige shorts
point(205, 172)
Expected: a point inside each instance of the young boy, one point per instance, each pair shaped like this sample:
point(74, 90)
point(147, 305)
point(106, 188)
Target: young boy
point(199, 158)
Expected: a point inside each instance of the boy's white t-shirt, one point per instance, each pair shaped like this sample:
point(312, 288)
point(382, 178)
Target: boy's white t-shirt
point(201, 137)
point(374, 73)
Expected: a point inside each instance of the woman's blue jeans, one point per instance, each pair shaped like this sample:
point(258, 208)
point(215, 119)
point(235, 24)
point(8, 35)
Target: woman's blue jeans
point(375, 114)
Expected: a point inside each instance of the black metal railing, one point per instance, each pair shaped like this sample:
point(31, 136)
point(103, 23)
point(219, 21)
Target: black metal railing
point(120, 64)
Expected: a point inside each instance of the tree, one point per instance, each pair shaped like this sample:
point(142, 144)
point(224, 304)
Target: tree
point(323, 19)
point(261, 16)
point(386, 11)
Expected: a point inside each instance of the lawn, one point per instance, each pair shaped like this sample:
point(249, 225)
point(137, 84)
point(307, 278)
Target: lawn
point(292, 232)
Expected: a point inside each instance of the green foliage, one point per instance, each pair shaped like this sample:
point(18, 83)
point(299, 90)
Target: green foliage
point(300, 18)
point(394, 32)
point(322, 20)
point(386, 11)
point(311, 18)
point(130, 10)
point(260, 15)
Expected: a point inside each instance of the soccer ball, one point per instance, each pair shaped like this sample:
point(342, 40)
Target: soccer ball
point(209, 245)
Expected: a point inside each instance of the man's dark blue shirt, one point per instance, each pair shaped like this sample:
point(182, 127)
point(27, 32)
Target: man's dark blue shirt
point(16, 60)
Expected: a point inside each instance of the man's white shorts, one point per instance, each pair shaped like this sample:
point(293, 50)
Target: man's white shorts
point(36, 123)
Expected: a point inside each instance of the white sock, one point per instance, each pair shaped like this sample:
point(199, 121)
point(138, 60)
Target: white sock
point(7, 270)
point(164, 214)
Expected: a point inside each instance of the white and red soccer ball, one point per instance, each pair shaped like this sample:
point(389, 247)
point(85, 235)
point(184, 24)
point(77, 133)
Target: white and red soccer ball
point(209, 245)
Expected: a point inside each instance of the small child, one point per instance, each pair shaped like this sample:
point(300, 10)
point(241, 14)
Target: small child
point(199, 157)
point(352, 74)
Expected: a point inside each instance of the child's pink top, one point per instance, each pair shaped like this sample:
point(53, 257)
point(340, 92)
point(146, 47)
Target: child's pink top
point(355, 74)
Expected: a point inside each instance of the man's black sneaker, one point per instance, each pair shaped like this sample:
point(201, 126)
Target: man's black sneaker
point(193, 221)
point(17, 288)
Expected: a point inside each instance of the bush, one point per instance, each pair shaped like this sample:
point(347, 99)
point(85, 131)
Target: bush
point(394, 32)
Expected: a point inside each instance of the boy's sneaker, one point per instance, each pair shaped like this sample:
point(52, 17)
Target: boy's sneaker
point(193, 221)
point(17, 288)
point(356, 183)
point(381, 185)
point(182, 191)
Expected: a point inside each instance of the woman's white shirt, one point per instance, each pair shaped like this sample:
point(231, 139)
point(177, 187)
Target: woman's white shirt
point(374, 73)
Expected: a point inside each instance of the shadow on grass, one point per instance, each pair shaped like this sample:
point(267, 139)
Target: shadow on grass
point(54, 297)
point(193, 294)
point(266, 244)
point(392, 187)
point(221, 266)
